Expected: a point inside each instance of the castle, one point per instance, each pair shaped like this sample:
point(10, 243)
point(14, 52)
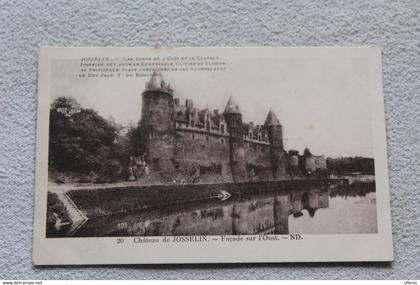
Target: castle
point(180, 140)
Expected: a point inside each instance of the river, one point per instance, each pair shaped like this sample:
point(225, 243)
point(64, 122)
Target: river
point(310, 210)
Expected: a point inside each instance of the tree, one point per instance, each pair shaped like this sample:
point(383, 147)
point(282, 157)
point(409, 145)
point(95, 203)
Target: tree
point(346, 165)
point(80, 139)
point(66, 105)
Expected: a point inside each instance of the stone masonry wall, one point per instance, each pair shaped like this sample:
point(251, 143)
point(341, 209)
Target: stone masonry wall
point(202, 157)
point(258, 161)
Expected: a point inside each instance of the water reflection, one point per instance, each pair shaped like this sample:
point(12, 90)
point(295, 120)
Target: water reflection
point(321, 209)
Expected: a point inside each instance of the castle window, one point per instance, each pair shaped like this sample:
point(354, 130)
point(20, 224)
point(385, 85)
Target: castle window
point(193, 137)
point(223, 128)
point(222, 140)
point(192, 123)
point(207, 138)
point(234, 145)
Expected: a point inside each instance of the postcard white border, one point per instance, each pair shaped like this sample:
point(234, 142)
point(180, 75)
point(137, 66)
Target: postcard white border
point(313, 248)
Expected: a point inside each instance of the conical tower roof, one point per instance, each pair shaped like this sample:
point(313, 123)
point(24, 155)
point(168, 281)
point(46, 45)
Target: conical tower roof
point(156, 82)
point(231, 107)
point(272, 119)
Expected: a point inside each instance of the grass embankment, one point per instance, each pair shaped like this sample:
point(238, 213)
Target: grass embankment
point(117, 200)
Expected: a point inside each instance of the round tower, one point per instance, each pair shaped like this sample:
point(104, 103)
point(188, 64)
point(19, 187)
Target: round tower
point(275, 136)
point(157, 124)
point(233, 118)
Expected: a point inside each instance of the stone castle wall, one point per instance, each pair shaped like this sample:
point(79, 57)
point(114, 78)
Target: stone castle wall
point(202, 155)
point(258, 159)
point(201, 146)
point(209, 153)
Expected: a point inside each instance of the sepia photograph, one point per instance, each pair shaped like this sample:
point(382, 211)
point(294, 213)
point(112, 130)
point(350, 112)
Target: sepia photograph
point(210, 144)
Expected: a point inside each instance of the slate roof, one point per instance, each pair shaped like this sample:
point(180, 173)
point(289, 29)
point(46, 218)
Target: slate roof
point(272, 119)
point(231, 107)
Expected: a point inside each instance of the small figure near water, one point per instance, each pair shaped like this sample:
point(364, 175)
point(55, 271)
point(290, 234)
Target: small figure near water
point(137, 167)
point(59, 222)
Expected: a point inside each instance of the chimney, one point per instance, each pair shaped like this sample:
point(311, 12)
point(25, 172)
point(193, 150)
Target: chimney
point(216, 112)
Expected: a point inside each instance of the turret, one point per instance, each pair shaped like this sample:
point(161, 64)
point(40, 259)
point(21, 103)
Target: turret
point(157, 124)
point(233, 118)
point(275, 137)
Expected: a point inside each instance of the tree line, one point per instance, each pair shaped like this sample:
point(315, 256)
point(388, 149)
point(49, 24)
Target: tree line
point(348, 165)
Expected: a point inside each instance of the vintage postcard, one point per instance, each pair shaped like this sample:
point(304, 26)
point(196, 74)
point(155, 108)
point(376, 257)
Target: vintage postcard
point(205, 155)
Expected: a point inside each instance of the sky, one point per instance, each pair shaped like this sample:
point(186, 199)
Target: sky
point(322, 103)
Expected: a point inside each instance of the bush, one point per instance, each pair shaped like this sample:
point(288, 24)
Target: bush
point(111, 171)
point(55, 209)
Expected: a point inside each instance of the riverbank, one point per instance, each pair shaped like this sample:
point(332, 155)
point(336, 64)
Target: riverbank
point(56, 187)
point(360, 178)
point(102, 204)
point(102, 201)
